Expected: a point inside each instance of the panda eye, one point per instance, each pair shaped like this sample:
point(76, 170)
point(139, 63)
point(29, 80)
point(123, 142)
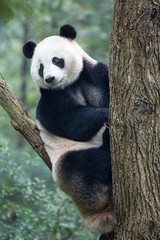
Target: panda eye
point(40, 71)
point(59, 62)
point(55, 60)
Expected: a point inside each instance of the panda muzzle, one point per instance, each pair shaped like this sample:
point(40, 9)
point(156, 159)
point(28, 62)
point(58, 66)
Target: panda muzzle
point(49, 80)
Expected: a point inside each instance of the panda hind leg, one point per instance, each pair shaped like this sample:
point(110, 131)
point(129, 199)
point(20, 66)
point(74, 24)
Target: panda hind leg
point(85, 175)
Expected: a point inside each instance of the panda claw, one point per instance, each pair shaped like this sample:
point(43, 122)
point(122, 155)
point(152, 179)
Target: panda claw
point(106, 124)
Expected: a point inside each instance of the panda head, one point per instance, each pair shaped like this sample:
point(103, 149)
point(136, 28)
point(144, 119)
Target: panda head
point(57, 60)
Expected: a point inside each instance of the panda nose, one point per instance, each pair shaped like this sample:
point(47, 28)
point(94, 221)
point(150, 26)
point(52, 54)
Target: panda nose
point(49, 80)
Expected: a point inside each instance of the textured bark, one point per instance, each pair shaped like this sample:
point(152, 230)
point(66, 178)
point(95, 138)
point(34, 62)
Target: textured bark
point(21, 121)
point(135, 119)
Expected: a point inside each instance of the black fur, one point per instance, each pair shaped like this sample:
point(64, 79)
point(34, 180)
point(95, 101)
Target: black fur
point(40, 71)
point(92, 166)
point(80, 110)
point(28, 49)
point(59, 62)
point(68, 31)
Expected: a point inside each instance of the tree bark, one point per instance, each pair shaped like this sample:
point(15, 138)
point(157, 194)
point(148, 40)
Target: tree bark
point(135, 119)
point(21, 121)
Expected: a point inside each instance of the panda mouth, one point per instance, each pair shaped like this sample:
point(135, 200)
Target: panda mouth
point(54, 83)
point(57, 82)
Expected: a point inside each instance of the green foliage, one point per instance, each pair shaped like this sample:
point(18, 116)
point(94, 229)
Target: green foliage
point(29, 210)
point(5, 12)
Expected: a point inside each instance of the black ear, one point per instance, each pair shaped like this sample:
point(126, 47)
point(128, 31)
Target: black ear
point(28, 49)
point(68, 31)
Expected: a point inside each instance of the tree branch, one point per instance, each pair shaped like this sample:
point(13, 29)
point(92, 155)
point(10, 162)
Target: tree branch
point(21, 121)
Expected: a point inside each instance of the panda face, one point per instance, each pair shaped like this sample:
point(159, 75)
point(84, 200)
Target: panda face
point(56, 63)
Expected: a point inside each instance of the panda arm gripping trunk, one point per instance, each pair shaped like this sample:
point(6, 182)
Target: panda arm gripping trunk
point(77, 123)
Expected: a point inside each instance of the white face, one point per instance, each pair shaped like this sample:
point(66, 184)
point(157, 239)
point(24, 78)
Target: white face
point(56, 63)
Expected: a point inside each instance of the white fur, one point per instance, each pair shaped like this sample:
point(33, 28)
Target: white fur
point(56, 46)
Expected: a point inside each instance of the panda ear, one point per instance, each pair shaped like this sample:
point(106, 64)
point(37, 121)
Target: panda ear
point(68, 31)
point(28, 49)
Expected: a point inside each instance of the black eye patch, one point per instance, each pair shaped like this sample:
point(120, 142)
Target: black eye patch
point(40, 71)
point(59, 62)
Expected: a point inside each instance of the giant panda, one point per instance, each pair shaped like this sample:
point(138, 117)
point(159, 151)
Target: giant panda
point(71, 113)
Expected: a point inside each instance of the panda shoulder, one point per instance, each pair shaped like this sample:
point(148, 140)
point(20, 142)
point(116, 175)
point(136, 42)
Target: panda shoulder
point(100, 73)
point(100, 68)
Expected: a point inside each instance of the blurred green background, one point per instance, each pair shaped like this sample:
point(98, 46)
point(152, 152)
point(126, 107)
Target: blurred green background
point(31, 206)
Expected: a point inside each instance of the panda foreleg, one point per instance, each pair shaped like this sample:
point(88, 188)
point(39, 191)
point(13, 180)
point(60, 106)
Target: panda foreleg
point(81, 123)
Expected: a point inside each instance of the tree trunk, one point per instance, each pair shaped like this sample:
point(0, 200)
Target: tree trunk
point(135, 119)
